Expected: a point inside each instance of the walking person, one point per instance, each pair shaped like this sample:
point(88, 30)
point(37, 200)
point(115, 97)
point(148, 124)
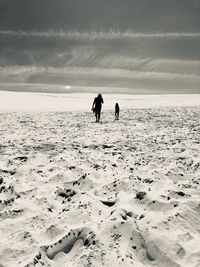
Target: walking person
point(96, 107)
point(117, 109)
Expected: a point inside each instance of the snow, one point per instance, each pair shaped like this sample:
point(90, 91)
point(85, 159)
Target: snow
point(116, 193)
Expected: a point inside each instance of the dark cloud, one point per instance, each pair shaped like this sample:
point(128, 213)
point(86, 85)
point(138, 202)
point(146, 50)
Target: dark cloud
point(103, 59)
point(92, 50)
point(86, 15)
point(94, 43)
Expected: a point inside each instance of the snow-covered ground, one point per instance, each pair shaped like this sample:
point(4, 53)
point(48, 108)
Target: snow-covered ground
point(118, 193)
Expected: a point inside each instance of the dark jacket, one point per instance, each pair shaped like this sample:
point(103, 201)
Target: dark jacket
point(98, 101)
point(117, 109)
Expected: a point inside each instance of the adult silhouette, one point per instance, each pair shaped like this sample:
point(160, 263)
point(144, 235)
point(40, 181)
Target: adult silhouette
point(96, 107)
point(117, 109)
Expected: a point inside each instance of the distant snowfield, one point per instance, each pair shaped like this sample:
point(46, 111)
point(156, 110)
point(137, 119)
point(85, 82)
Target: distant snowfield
point(21, 101)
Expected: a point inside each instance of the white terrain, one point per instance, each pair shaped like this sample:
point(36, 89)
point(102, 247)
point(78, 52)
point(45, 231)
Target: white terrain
point(116, 193)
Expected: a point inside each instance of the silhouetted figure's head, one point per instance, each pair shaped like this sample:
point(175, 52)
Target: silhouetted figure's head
point(116, 105)
point(99, 96)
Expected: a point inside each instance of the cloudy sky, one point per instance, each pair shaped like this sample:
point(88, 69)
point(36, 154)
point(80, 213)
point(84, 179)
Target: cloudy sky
point(84, 15)
point(139, 44)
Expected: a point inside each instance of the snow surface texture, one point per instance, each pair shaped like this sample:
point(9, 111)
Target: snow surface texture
point(118, 193)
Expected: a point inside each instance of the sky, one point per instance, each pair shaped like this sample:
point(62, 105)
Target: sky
point(85, 15)
point(138, 44)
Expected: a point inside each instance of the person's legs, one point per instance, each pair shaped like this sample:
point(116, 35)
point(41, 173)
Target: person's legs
point(96, 115)
point(116, 116)
point(99, 115)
